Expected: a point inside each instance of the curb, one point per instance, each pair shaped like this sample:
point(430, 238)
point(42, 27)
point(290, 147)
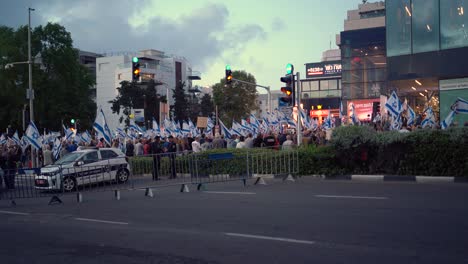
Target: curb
point(394, 178)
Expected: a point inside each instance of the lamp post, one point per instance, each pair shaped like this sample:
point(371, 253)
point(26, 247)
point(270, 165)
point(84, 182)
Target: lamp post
point(30, 90)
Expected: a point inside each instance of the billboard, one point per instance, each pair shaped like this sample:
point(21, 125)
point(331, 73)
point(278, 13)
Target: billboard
point(363, 108)
point(323, 69)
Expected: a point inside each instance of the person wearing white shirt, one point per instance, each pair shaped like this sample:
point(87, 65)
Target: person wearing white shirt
point(241, 143)
point(288, 144)
point(196, 147)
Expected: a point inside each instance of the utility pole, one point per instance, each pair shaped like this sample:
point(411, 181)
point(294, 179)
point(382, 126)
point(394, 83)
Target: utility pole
point(30, 90)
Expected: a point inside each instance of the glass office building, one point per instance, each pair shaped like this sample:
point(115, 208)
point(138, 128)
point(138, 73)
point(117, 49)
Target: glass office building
point(427, 47)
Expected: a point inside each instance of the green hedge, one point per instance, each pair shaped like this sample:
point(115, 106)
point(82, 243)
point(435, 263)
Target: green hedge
point(352, 150)
point(423, 152)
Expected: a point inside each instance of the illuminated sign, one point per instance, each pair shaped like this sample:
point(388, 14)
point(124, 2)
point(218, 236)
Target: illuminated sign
point(323, 69)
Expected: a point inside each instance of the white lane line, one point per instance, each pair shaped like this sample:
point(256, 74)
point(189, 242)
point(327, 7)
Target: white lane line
point(247, 193)
point(289, 240)
point(351, 197)
point(13, 213)
point(101, 221)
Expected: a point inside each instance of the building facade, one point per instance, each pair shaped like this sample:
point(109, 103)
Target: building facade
point(88, 59)
point(363, 58)
point(321, 90)
point(155, 65)
point(427, 46)
point(262, 102)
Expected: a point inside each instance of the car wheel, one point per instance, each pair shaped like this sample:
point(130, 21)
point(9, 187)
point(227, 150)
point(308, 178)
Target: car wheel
point(122, 175)
point(68, 184)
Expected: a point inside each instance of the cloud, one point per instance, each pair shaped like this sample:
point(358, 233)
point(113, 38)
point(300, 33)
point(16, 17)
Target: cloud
point(278, 24)
point(202, 35)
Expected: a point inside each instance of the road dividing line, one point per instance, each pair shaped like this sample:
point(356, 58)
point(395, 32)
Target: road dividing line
point(101, 221)
point(246, 193)
point(13, 213)
point(289, 240)
point(351, 197)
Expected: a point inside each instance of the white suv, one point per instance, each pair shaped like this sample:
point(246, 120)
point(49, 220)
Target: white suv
point(91, 165)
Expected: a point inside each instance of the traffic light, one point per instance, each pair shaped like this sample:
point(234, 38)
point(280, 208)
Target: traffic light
point(288, 89)
point(135, 69)
point(72, 121)
point(228, 74)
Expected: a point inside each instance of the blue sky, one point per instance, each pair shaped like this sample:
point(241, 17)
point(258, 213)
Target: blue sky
point(260, 36)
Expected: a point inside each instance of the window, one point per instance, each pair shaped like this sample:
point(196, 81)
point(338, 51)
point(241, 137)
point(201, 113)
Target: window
point(90, 157)
point(398, 24)
point(310, 86)
point(453, 24)
point(108, 154)
point(425, 25)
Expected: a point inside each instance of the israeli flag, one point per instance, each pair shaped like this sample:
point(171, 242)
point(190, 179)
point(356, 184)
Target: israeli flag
point(185, 129)
point(16, 138)
point(100, 125)
point(328, 123)
point(430, 119)
point(86, 137)
point(394, 105)
point(209, 126)
point(3, 140)
point(224, 130)
point(68, 133)
point(236, 128)
point(254, 122)
point(121, 133)
point(57, 148)
point(448, 120)
point(397, 123)
point(24, 143)
point(33, 136)
point(411, 116)
point(460, 106)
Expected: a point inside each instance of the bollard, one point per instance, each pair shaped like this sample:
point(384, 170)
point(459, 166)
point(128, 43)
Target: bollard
point(149, 193)
point(260, 181)
point(79, 197)
point(117, 195)
point(184, 188)
point(290, 178)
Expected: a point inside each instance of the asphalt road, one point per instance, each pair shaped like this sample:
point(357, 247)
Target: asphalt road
point(309, 221)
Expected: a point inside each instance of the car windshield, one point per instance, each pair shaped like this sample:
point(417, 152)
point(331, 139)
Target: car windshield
point(69, 158)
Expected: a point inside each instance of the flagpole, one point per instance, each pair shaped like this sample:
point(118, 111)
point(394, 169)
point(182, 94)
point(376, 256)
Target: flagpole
point(298, 96)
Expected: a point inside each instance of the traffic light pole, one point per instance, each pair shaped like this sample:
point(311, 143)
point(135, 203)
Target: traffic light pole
point(297, 102)
point(267, 88)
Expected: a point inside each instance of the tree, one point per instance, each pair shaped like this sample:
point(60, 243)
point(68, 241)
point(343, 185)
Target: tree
point(206, 105)
point(237, 100)
point(180, 109)
point(131, 96)
point(61, 84)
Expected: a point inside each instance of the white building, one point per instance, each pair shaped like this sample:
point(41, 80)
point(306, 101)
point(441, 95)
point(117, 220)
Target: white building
point(154, 64)
point(262, 102)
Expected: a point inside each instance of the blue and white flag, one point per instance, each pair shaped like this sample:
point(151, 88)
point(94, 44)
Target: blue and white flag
point(328, 123)
point(57, 148)
point(254, 122)
point(224, 130)
point(33, 136)
point(185, 129)
point(120, 133)
point(291, 122)
point(3, 140)
point(86, 137)
point(16, 138)
point(411, 116)
point(100, 125)
point(69, 134)
point(209, 126)
point(24, 143)
point(237, 128)
point(394, 105)
point(448, 120)
point(397, 123)
point(460, 106)
point(430, 118)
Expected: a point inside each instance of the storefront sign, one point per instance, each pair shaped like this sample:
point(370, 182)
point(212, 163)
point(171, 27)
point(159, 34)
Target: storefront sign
point(363, 108)
point(453, 84)
point(323, 69)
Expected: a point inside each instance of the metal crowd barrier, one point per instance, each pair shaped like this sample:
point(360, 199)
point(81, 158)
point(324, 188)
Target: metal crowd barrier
point(147, 172)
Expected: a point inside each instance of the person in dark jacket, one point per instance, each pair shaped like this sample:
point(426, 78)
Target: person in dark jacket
point(13, 156)
point(130, 149)
point(156, 151)
point(171, 150)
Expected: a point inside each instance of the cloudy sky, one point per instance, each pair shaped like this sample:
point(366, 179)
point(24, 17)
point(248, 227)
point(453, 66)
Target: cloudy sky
point(258, 36)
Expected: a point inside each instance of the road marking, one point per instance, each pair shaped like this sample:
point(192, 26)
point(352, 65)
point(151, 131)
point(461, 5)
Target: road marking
point(100, 221)
point(351, 197)
point(247, 193)
point(13, 213)
point(289, 240)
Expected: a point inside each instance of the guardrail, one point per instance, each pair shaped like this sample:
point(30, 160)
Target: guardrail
point(147, 172)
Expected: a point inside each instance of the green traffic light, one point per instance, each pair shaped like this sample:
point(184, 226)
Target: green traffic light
point(135, 59)
point(228, 67)
point(289, 68)
point(72, 121)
